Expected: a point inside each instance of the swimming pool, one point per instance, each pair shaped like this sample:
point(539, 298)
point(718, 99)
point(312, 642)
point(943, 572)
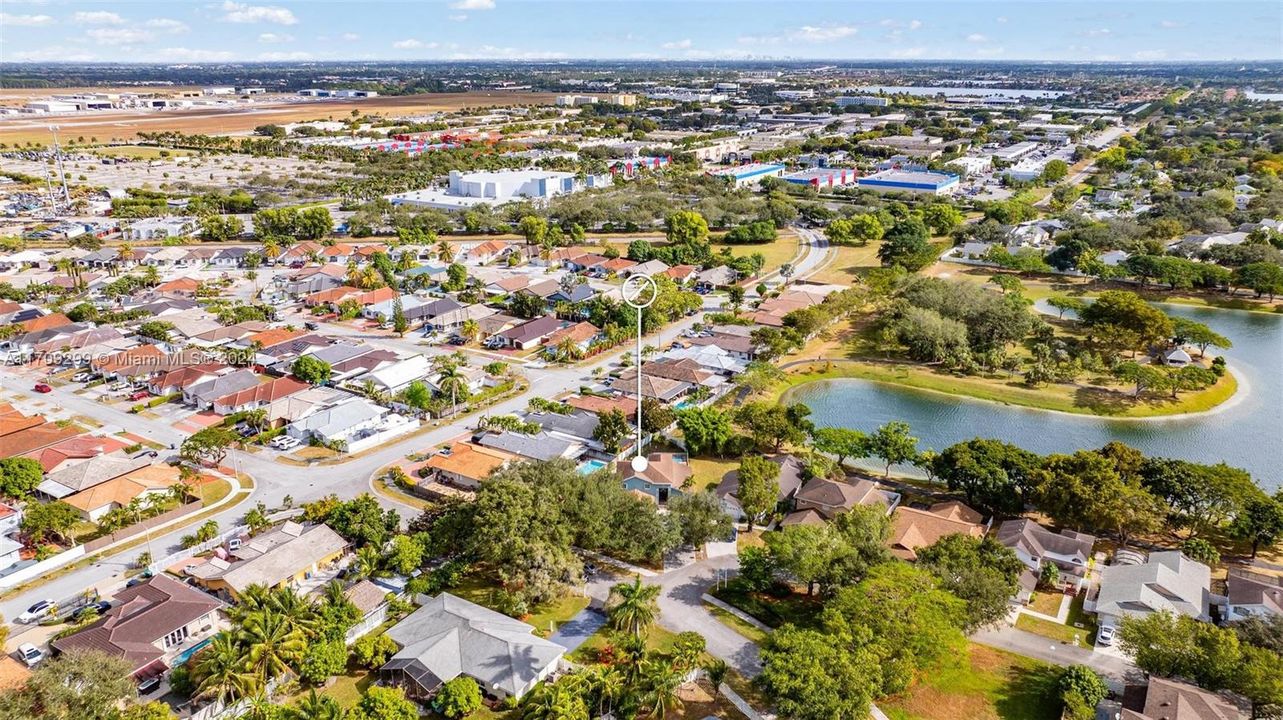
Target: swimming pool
point(588, 467)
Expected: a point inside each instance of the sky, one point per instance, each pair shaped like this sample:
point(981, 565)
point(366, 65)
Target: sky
point(188, 31)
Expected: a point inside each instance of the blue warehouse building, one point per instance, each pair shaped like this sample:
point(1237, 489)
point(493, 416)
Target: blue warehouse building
point(916, 181)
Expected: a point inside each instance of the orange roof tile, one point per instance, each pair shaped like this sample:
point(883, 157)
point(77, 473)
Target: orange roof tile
point(469, 461)
point(121, 490)
point(45, 322)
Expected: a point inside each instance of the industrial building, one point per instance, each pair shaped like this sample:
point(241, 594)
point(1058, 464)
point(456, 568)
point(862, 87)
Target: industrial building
point(795, 94)
point(219, 90)
point(496, 188)
point(749, 174)
point(576, 100)
point(822, 177)
point(918, 181)
point(970, 165)
point(1026, 170)
point(861, 100)
point(1011, 153)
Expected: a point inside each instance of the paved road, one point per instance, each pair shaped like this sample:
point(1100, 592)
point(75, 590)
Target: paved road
point(681, 610)
point(276, 480)
point(1115, 669)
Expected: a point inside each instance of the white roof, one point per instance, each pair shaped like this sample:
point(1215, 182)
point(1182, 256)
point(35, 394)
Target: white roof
point(401, 373)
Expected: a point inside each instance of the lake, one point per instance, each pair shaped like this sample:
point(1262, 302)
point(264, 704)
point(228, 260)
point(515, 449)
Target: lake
point(1247, 433)
point(1013, 93)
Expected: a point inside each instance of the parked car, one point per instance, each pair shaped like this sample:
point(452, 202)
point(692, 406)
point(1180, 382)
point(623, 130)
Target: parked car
point(43, 388)
point(149, 686)
point(311, 325)
point(139, 395)
point(30, 654)
point(118, 385)
point(99, 608)
point(1105, 636)
point(284, 442)
point(82, 377)
point(244, 430)
point(36, 612)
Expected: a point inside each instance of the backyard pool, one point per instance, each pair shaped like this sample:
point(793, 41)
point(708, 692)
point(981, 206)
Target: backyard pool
point(588, 467)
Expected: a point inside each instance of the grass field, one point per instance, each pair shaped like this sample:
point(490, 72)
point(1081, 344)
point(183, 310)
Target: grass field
point(1047, 603)
point(137, 151)
point(783, 250)
point(1010, 391)
point(730, 620)
point(848, 263)
point(241, 119)
point(796, 609)
point(987, 684)
point(710, 470)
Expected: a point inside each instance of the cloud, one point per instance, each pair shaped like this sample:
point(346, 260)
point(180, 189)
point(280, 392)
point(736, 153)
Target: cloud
point(242, 13)
point(183, 54)
point(1001, 20)
point(677, 45)
point(350, 37)
point(491, 52)
point(54, 52)
point(803, 34)
point(119, 36)
point(25, 20)
point(1098, 32)
point(275, 38)
point(458, 18)
point(473, 5)
point(977, 38)
point(97, 17)
point(167, 25)
point(413, 44)
point(913, 52)
point(827, 33)
point(915, 24)
point(284, 56)
point(1150, 55)
point(1170, 24)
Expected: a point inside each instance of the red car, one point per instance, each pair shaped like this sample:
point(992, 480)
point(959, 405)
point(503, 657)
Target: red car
point(139, 395)
point(43, 388)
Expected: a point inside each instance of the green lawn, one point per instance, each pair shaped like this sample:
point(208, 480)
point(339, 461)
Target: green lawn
point(1079, 626)
point(796, 608)
point(783, 250)
point(735, 623)
point(480, 590)
point(708, 471)
point(988, 684)
point(1047, 603)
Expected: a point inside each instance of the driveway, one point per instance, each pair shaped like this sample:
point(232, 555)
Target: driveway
point(576, 631)
point(681, 610)
point(1115, 668)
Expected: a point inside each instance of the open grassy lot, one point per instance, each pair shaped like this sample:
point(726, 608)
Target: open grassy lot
point(709, 471)
point(783, 250)
point(1047, 603)
point(848, 264)
point(137, 151)
point(545, 618)
point(730, 620)
point(987, 684)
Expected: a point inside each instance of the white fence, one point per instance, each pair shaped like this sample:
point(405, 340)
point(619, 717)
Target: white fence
point(220, 711)
point(49, 564)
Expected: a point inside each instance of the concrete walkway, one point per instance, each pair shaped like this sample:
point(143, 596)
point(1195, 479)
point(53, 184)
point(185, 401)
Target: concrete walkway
point(576, 631)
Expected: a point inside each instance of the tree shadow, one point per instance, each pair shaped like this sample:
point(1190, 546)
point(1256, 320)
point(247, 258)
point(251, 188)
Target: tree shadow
point(1029, 693)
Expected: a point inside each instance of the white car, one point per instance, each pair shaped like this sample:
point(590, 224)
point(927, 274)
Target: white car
point(1105, 636)
point(285, 442)
point(36, 612)
point(82, 377)
point(30, 654)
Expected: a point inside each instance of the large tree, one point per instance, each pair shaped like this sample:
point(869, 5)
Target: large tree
point(995, 476)
point(842, 442)
point(770, 425)
point(704, 429)
point(980, 571)
point(1120, 310)
point(700, 517)
point(75, 685)
point(810, 676)
point(893, 444)
point(759, 487)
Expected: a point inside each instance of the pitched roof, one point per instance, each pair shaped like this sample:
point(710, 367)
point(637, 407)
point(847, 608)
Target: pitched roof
point(263, 392)
point(448, 637)
point(912, 528)
point(276, 556)
point(146, 614)
point(668, 469)
point(13, 674)
point(1174, 700)
point(274, 336)
point(45, 322)
point(789, 480)
point(121, 490)
point(578, 333)
point(470, 461)
point(540, 446)
point(1167, 581)
point(1037, 541)
point(834, 496)
point(532, 330)
point(73, 448)
point(87, 474)
point(365, 596)
point(35, 438)
point(600, 405)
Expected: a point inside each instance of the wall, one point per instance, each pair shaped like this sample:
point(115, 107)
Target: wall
point(140, 528)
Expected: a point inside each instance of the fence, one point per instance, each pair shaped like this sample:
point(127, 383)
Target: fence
point(139, 528)
point(50, 564)
point(221, 711)
point(217, 540)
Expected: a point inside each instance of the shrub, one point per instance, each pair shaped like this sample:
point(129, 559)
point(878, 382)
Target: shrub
point(459, 697)
point(372, 651)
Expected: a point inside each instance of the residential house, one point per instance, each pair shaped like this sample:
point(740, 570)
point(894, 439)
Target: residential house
point(178, 380)
point(580, 336)
point(397, 376)
point(912, 528)
point(789, 482)
point(158, 228)
point(495, 324)
point(202, 394)
point(572, 295)
point(313, 279)
point(658, 388)
point(331, 297)
point(821, 499)
point(448, 637)
point(258, 396)
point(681, 274)
point(485, 253)
point(300, 253)
point(1167, 581)
point(651, 268)
point(531, 333)
point(297, 406)
point(740, 347)
point(10, 555)
point(282, 557)
point(507, 284)
point(153, 626)
point(582, 262)
point(1163, 699)
point(465, 465)
point(598, 404)
point(145, 482)
point(338, 254)
point(1250, 593)
point(714, 278)
point(183, 287)
point(10, 519)
point(71, 451)
point(230, 258)
point(454, 319)
point(664, 476)
point(710, 357)
point(539, 446)
point(139, 361)
point(341, 423)
point(611, 267)
point(90, 473)
point(1036, 545)
point(578, 426)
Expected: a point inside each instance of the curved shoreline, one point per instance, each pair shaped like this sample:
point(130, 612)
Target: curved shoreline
point(1242, 388)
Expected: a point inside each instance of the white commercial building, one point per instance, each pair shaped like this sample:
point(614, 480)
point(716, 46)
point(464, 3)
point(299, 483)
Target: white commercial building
point(576, 100)
point(469, 189)
point(1012, 153)
point(970, 165)
point(219, 90)
point(1026, 170)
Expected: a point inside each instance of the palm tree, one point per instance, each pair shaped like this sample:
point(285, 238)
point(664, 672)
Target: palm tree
point(271, 250)
point(452, 377)
point(368, 560)
point(445, 253)
point(260, 707)
point(252, 599)
point(314, 707)
point(150, 275)
point(469, 330)
point(632, 606)
point(298, 610)
point(664, 682)
point(256, 418)
point(272, 645)
point(220, 670)
point(610, 688)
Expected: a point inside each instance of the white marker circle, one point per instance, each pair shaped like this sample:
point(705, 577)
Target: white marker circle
point(640, 463)
point(634, 289)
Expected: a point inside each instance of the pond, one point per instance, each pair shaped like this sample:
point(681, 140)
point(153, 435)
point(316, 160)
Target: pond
point(1246, 432)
